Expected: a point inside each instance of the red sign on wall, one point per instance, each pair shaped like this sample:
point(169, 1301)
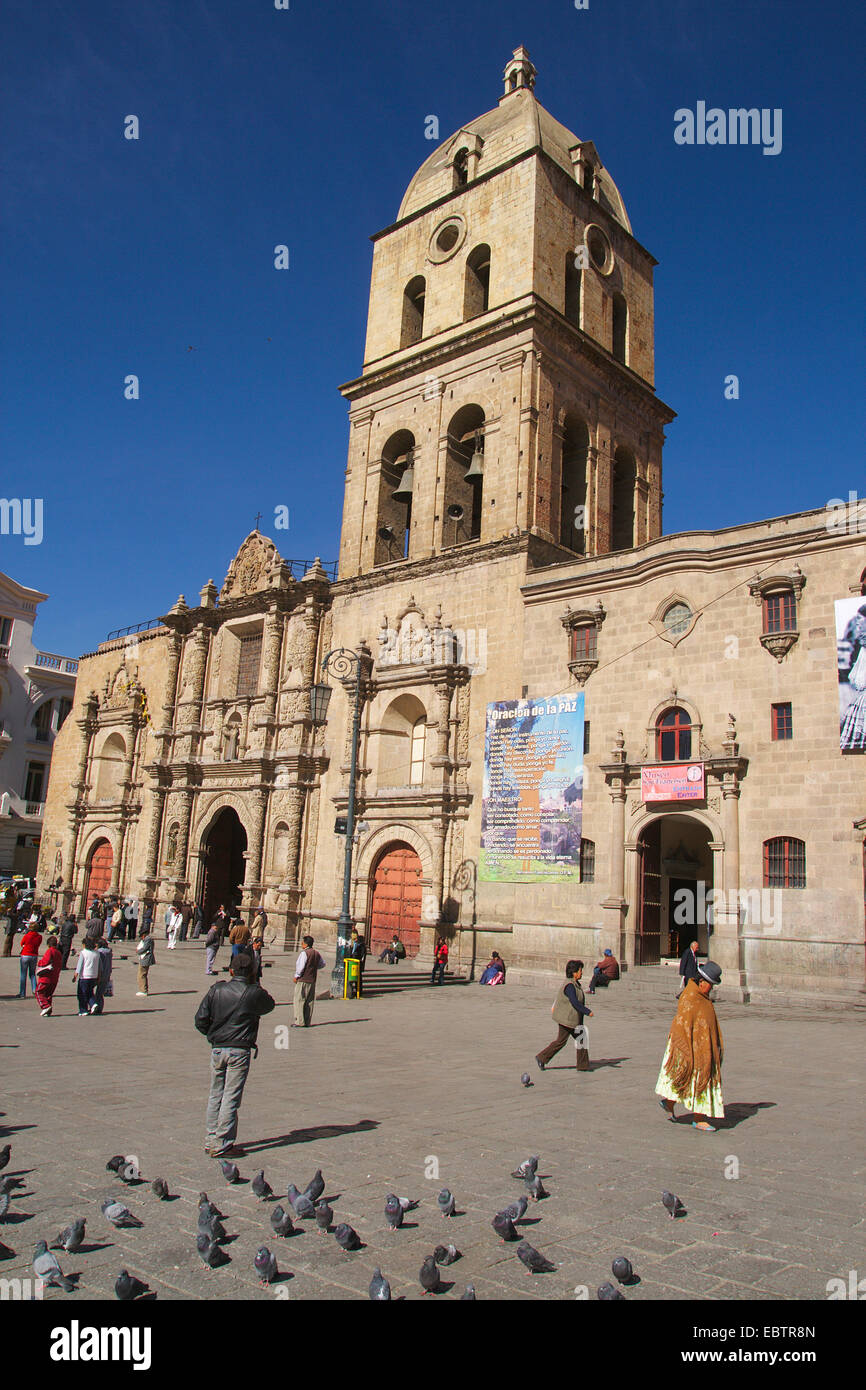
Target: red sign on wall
point(673, 782)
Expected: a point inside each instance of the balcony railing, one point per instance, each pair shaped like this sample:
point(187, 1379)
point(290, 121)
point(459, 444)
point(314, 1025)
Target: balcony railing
point(35, 809)
point(66, 664)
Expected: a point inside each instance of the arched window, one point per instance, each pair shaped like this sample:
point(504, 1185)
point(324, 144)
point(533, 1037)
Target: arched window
point(476, 295)
point(397, 483)
point(412, 327)
point(587, 861)
point(620, 329)
point(572, 515)
point(674, 736)
point(417, 752)
point(110, 768)
point(784, 863)
point(464, 477)
point(461, 167)
point(572, 290)
point(622, 520)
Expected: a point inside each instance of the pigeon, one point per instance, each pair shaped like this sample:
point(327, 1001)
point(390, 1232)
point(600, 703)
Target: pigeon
point(347, 1237)
point(46, 1268)
point(262, 1189)
point(118, 1214)
point(5, 1199)
point(6, 1252)
point(211, 1225)
point(265, 1265)
point(535, 1262)
point(5, 1154)
point(517, 1210)
point(393, 1212)
point(70, 1237)
point(210, 1251)
point(212, 1208)
point(504, 1226)
point(469, 1295)
point(526, 1079)
point(115, 1164)
point(672, 1204)
point(527, 1167)
point(281, 1222)
point(445, 1202)
point(446, 1254)
point(380, 1289)
point(159, 1188)
point(324, 1217)
point(304, 1209)
point(315, 1187)
point(606, 1293)
point(230, 1170)
point(429, 1275)
point(127, 1287)
point(535, 1187)
point(408, 1203)
point(622, 1269)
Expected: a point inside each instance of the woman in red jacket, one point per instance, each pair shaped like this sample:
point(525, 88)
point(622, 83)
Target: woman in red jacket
point(30, 943)
point(440, 960)
point(47, 975)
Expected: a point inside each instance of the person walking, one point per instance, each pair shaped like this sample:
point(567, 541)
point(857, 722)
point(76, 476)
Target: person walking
point(689, 965)
point(169, 913)
point(440, 960)
point(30, 944)
point(239, 937)
point(146, 958)
point(221, 921)
point(228, 1016)
point(147, 917)
point(174, 926)
point(569, 1010)
point(10, 913)
point(307, 967)
point(68, 929)
point(186, 920)
point(87, 975)
point(197, 922)
point(211, 946)
point(130, 914)
point(117, 924)
point(47, 976)
point(691, 1069)
point(104, 983)
point(605, 971)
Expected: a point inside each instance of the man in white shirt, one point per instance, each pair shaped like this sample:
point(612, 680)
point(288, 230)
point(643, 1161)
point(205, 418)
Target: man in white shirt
point(174, 926)
point(307, 967)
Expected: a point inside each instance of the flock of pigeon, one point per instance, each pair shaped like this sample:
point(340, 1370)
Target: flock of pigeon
point(309, 1205)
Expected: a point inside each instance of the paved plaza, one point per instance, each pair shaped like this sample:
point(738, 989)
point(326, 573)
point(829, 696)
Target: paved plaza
point(384, 1090)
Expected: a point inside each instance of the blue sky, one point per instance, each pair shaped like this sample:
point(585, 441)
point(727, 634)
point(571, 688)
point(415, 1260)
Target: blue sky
point(303, 127)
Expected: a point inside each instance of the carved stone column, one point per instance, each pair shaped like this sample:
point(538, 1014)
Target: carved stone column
point(154, 834)
point(185, 818)
point(615, 905)
point(272, 646)
point(253, 878)
point(189, 708)
point(295, 798)
point(175, 647)
point(87, 724)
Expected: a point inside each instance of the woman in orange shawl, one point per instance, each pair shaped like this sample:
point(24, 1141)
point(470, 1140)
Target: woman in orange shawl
point(691, 1070)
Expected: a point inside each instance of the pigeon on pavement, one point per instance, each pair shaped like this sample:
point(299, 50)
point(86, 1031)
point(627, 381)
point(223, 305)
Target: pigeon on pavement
point(445, 1202)
point(70, 1237)
point(526, 1079)
point(622, 1269)
point(127, 1287)
point(210, 1251)
point(5, 1199)
point(347, 1237)
point(469, 1295)
point(408, 1203)
point(211, 1206)
point(46, 1268)
point(527, 1167)
point(262, 1189)
point(535, 1188)
point(315, 1187)
point(324, 1217)
point(672, 1204)
point(230, 1170)
point(535, 1262)
point(118, 1214)
point(304, 1209)
point(606, 1293)
point(281, 1222)
point(517, 1210)
point(6, 1252)
point(503, 1225)
point(5, 1154)
point(446, 1254)
point(393, 1212)
point(429, 1275)
point(380, 1289)
point(265, 1265)
point(159, 1188)
point(211, 1225)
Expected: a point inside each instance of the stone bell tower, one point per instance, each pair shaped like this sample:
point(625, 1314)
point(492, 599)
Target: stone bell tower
point(507, 387)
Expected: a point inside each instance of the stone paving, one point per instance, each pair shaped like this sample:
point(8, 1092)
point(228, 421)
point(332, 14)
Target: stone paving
point(428, 1076)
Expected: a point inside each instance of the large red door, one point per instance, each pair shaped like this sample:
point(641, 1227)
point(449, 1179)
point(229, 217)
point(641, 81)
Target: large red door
point(396, 900)
point(99, 878)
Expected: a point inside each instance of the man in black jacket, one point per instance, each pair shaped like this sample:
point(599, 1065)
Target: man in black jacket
point(229, 1018)
point(689, 965)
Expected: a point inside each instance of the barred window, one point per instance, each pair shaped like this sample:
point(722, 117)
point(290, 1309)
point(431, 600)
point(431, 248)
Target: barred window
point(584, 643)
point(587, 861)
point(248, 664)
point(782, 722)
point(780, 612)
point(784, 863)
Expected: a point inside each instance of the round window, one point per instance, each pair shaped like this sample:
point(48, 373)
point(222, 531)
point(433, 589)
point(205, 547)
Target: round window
point(599, 249)
point(446, 239)
point(677, 618)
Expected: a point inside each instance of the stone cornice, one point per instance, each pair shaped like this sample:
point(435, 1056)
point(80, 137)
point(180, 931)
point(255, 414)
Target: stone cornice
point(539, 554)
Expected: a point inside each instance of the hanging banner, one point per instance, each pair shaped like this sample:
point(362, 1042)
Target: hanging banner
point(851, 665)
point(673, 782)
point(533, 790)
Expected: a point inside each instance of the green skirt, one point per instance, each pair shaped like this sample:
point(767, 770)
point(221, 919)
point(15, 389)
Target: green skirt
point(707, 1102)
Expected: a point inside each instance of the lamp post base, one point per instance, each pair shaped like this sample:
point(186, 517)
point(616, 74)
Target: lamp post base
point(344, 928)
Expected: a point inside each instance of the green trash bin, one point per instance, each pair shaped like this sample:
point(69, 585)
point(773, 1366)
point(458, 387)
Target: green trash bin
point(351, 978)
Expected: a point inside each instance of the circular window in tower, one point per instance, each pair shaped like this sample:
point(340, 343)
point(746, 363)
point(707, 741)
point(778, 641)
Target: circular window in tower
point(599, 249)
point(447, 239)
point(677, 619)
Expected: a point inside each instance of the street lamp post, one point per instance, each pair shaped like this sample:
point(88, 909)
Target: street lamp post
point(347, 666)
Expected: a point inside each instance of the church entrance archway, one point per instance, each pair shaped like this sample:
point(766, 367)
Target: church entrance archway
point(396, 899)
point(99, 866)
point(675, 884)
point(223, 865)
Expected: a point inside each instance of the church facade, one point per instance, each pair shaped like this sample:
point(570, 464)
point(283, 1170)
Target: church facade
point(501, 546)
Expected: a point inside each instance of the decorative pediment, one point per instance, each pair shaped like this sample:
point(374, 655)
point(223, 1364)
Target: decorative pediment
point(583, 617)
point(762, 585)
point(256, 567)
point(414, 642)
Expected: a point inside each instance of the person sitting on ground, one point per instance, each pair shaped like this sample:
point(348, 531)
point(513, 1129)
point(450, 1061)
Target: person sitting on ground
point(394, 951)
point(494, 971)
point(606, 970)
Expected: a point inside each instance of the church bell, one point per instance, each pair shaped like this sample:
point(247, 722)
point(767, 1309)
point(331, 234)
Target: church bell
point(403, 490)
point(475, 471)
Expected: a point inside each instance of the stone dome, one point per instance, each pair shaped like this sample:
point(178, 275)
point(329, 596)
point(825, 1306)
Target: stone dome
point(518, 124)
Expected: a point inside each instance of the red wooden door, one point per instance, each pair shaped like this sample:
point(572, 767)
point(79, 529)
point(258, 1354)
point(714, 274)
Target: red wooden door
point(396, 901)
point(99, 879)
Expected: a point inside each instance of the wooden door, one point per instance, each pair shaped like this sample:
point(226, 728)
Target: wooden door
point(649, 922)
point(99, 878)
point(396, 903)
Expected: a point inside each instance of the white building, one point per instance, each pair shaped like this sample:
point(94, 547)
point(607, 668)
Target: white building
point(36, 693)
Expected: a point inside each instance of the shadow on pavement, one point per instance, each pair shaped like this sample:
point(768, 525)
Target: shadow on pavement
point(307, 1136)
